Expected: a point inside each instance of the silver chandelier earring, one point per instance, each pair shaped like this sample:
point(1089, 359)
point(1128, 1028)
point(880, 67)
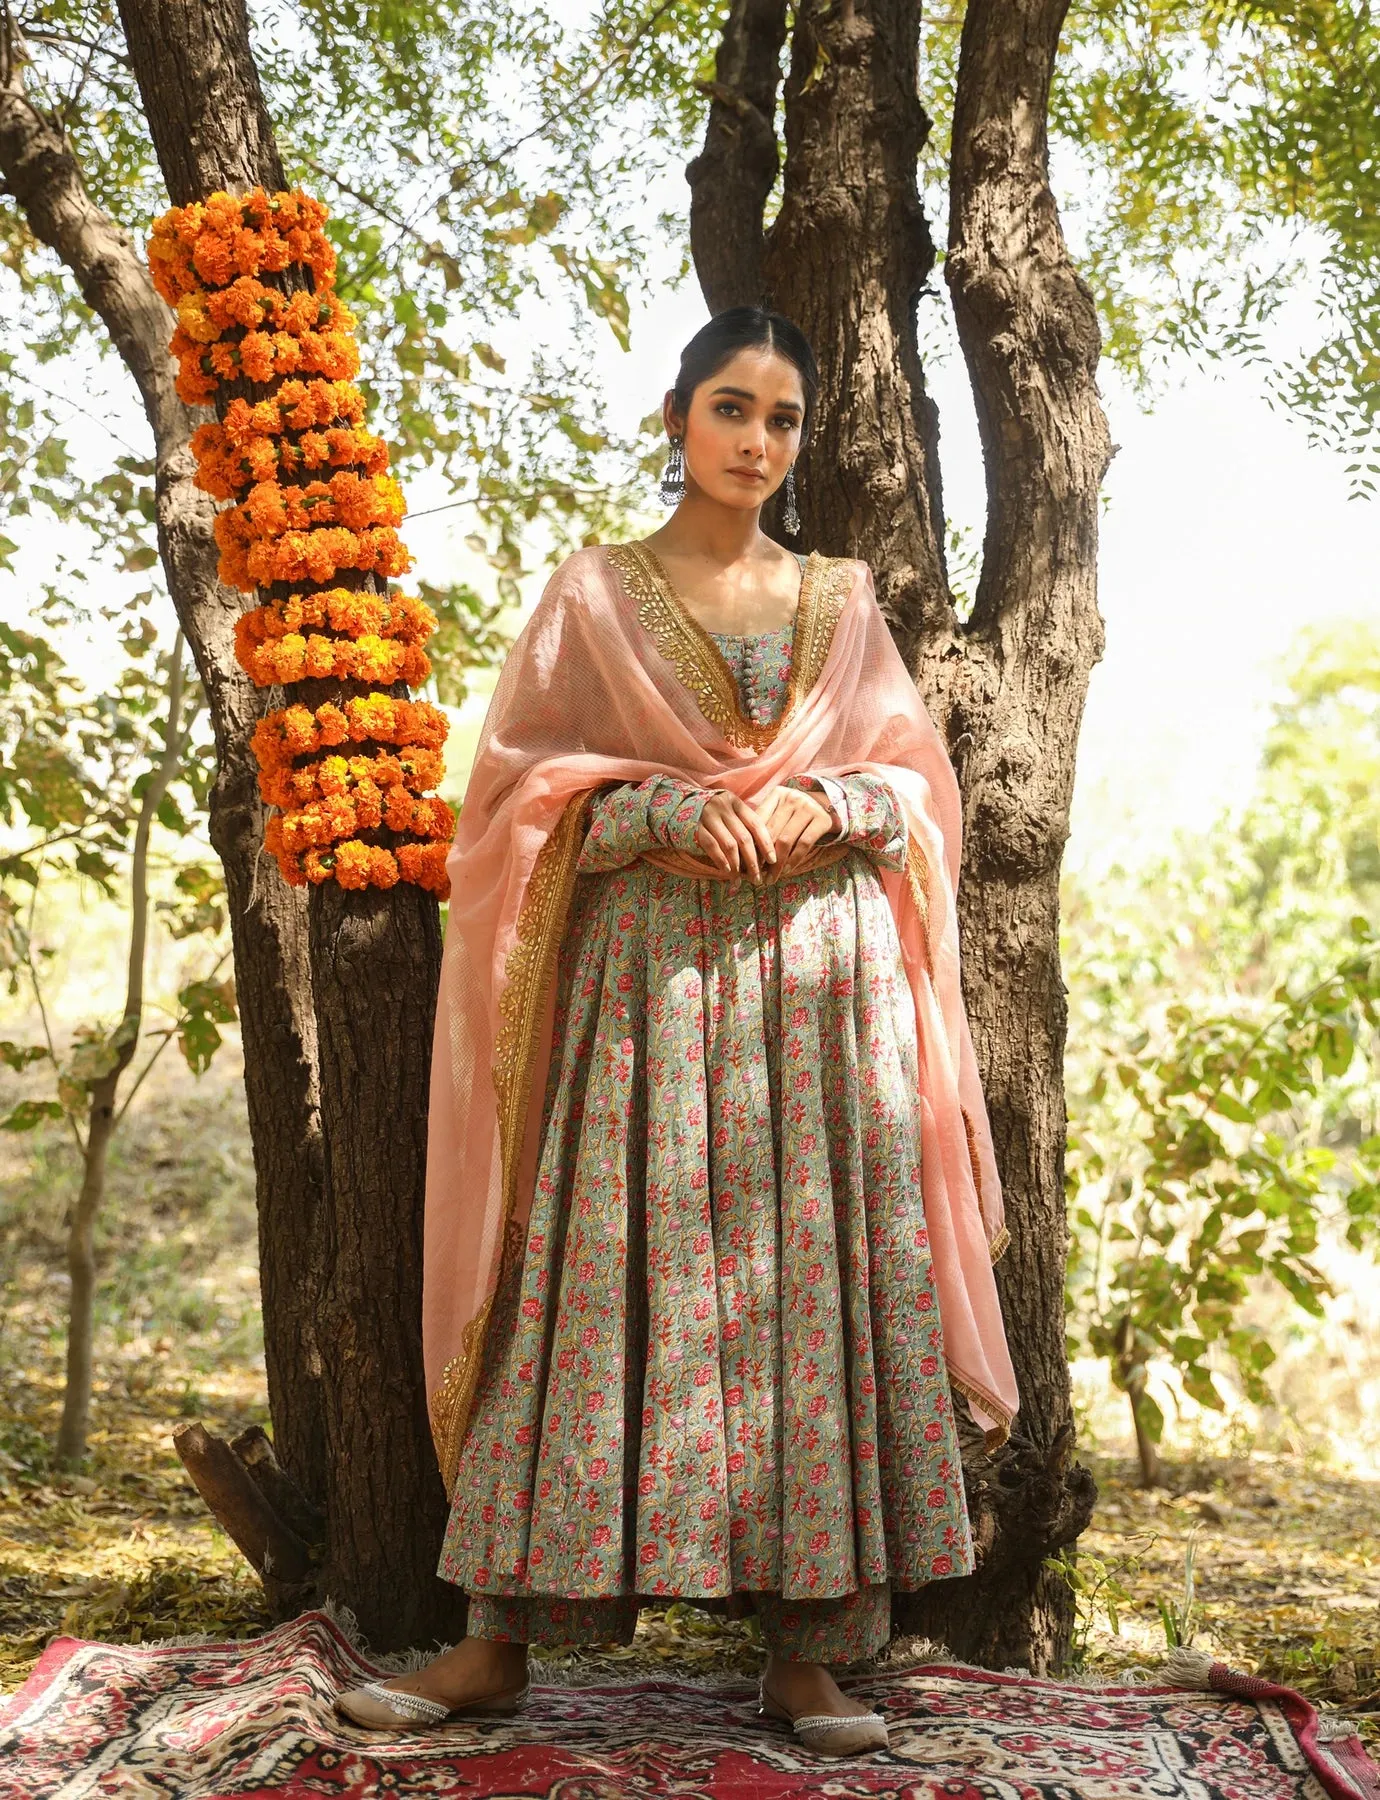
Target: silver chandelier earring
point(673, 476)
point(790, 518)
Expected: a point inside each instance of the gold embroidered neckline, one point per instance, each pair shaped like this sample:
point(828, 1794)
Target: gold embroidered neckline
point(700, 663)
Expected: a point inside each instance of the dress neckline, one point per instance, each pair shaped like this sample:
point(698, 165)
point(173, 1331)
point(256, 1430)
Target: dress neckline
point(734, 637)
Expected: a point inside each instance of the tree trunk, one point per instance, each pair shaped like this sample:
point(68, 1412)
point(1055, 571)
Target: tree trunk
point(267, 919)
point(375, 963)
point(847, 257)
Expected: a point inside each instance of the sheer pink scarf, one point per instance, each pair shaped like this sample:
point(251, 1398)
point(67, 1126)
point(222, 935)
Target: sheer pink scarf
point(612, 680)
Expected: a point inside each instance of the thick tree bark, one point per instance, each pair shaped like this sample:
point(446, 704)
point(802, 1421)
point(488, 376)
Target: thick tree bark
point(1028, 327)
point(375, 963)
point(267, 919)
point(847, 257)
point(732, 177)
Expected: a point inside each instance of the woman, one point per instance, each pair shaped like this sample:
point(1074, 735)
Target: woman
point(692, 1325)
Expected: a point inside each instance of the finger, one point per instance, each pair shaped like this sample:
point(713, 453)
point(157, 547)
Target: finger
point(747, 845)
point(757, 824)
point(720, 843)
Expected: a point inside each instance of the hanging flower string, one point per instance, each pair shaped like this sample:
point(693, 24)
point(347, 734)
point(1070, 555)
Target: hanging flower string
point(310, 498)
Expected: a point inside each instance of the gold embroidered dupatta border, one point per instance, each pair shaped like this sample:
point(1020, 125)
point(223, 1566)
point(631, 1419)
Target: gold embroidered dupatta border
point(703, 670)
point(528, 971)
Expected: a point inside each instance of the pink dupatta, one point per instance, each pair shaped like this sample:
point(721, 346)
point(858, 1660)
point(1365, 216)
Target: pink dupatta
point(611, 680)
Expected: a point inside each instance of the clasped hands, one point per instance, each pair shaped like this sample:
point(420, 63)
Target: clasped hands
point(777, 827)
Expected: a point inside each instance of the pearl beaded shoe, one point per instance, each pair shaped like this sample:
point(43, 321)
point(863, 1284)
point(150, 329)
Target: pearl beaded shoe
point(831, 1734)
point(383, 1708)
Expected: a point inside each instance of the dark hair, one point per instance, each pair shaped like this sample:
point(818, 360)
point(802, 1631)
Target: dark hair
point(746, 328)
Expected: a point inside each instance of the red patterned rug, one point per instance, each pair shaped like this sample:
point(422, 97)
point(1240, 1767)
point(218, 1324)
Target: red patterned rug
point(206, 1721)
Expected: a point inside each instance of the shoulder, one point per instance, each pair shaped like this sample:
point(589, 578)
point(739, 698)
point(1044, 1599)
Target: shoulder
point(589, 559)
point(576, 576)
point(843, 573)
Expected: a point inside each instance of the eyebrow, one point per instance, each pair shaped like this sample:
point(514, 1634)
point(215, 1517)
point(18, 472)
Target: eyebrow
point(747, 394)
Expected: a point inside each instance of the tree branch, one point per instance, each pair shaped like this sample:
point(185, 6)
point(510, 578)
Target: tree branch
point(733, 175)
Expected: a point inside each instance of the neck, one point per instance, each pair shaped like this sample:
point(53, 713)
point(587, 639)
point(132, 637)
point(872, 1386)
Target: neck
point(702, 529)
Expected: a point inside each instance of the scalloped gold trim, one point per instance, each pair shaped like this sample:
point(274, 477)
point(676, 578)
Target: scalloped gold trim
point(699, 663)
point(528, 971)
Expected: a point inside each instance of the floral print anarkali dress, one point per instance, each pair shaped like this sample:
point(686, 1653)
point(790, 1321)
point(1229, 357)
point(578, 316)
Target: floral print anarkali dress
point(717, 1368)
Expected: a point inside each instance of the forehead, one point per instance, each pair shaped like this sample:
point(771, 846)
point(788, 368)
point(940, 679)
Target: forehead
point(762, 372)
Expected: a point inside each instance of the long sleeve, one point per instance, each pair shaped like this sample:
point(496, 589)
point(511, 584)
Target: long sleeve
point(871, 815)
point(661, 812)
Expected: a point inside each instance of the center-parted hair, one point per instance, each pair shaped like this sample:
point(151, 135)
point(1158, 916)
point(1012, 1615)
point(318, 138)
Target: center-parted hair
point(746, 328)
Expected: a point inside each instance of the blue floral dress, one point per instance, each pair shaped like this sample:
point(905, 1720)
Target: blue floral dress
point(716, 1370)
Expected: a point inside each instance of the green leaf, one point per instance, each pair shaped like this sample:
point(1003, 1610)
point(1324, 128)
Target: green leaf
point(30, 1113)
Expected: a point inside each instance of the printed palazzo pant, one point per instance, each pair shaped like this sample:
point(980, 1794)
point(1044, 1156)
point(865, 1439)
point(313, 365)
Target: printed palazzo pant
point(716, 1366)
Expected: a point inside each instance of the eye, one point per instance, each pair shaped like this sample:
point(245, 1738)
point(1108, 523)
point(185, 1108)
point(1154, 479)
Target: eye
point(785, 420)
point(726, 406)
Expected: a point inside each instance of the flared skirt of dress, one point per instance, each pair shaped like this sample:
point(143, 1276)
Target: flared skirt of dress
point(717, 1364)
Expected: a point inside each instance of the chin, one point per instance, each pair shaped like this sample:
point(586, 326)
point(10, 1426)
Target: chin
point(745, 498)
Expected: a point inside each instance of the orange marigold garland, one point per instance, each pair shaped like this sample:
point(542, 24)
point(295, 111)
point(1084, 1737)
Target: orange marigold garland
point(310, 496)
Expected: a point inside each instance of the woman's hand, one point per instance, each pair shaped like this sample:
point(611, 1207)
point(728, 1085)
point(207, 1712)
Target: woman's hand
point(732, 835)
point(797, 820)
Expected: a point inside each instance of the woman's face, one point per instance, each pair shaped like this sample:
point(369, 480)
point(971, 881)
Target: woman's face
point(743, 429)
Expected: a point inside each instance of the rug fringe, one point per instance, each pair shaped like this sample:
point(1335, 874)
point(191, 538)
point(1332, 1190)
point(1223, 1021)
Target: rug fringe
point(1188, 1668)
point(396, 1662)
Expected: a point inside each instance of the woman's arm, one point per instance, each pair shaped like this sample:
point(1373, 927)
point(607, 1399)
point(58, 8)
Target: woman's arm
point(870, 815)
point(662, 812)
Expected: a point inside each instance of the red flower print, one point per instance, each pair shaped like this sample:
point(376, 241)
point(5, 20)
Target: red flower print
point(603, 1536)
point(818, 1402)
point(523, 1435)
point(942, 1565)
point(522, 1501)
point(933, 1432)
point(703, 1375)
point(819, 1541)
point(738, 1529)
point(594, 1402)
point(936, 1496)
point(736, 1462)
point(646, 1484)
point(733, 1396)
point(481, 1578)
point(599, 1468)
point(929, 1365)
point(531, 1309)
point(488, 1515)
point(647, 1554)
point(814, 1274)
point(819, 1474)
point(709, 1509)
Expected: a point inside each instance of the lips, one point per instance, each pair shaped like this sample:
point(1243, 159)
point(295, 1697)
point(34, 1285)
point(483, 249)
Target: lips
point(748, 474)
